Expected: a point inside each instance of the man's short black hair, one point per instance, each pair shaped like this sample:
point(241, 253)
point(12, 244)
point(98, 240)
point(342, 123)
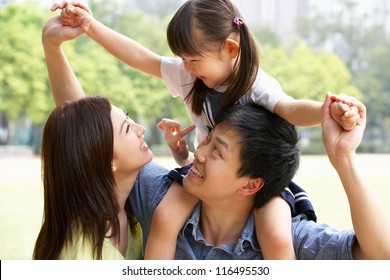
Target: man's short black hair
point(268, 149)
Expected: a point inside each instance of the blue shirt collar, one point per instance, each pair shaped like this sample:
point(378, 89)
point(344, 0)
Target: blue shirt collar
point(247, 238)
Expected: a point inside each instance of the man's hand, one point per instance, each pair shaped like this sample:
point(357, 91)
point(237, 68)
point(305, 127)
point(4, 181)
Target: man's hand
point(340, 143)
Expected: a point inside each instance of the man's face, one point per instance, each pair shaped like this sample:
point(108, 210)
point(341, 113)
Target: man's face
point(213, 177)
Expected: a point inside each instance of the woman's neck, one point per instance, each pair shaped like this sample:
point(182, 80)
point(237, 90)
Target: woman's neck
point(124, 185)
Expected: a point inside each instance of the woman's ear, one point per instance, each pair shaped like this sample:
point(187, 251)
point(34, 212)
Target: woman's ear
point(232, 47)
point(113, 167)
point(252, 186)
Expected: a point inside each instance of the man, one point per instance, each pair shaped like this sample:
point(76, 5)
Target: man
point(223, 220)
point(233, 172)
point(222, 227)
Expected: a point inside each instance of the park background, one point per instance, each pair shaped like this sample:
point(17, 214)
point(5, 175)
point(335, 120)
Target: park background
point(310, 46)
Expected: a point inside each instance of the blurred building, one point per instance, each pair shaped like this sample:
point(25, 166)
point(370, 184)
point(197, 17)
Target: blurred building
point(281, 15)
point(278, 15)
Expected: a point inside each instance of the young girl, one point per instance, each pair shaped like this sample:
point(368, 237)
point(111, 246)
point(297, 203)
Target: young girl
point(217, 66)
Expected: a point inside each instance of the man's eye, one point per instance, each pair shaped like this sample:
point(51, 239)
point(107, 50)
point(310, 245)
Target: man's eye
point(127, 128)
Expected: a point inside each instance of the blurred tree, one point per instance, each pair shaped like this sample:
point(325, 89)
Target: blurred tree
point(24, 89)
point(152, 99)
point(305, 74)
point(361, 42)
point(108, 11)
point(266, 36)
point(159, 8)
point(373, 80)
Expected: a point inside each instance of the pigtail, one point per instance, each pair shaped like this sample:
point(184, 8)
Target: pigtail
point(247, 65)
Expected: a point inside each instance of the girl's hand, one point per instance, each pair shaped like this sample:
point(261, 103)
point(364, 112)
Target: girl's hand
point(174, 136)
point(344, 111)
point(74, 14)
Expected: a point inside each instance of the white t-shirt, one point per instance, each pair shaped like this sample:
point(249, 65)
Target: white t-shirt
point(266, 91)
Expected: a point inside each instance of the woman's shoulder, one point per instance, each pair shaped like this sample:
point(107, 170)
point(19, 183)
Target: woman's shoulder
point(79, 248)
point(134, 250)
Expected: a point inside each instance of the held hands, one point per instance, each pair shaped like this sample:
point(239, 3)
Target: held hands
point(344, 111)
point(71, 23)
point(74, 14)
point(174, 137)
point(54, 33)
point(339, 142)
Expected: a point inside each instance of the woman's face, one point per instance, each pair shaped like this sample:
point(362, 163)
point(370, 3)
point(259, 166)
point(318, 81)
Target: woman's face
point(131, 152)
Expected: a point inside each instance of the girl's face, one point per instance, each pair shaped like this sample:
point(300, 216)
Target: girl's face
point(131, 152)
point(214, 68)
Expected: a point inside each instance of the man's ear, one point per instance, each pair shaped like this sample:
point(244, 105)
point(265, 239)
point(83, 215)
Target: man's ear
point(232, 47)
point(252, 186)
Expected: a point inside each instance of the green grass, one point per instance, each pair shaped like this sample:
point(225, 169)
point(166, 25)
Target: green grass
point(21, 200)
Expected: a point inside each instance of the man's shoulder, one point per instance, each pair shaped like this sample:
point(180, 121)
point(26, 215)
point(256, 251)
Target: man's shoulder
point(314, 241)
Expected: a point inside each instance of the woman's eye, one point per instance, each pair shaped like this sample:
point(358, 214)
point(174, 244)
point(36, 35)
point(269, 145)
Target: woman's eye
point(127, 128)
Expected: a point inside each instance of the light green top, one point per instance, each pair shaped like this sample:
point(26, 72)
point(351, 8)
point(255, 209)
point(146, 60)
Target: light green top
point(81, 249)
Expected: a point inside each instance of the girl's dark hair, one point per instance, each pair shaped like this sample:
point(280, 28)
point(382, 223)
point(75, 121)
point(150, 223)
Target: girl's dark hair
point(78, 181)
point(215, 21)
point(268, 147)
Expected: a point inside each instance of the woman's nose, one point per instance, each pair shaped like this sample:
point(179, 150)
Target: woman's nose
point(139, 129)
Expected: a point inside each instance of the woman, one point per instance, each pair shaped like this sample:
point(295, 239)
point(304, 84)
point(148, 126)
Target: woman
point(91, 155)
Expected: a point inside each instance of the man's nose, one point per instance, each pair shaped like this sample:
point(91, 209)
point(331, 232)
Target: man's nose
point(200, 153)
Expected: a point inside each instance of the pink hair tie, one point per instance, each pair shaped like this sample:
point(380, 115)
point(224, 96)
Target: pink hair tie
point(238, 22)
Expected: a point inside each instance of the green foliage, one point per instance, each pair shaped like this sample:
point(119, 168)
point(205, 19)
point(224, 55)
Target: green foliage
point(266, 36)
point(361, 41)
point(305, 74)
point(24, 86)
point(149, 95)
point(144, 97)
point(23, 82)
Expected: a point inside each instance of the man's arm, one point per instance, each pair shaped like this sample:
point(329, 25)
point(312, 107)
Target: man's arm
point(63, 82)
point(370, 221)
